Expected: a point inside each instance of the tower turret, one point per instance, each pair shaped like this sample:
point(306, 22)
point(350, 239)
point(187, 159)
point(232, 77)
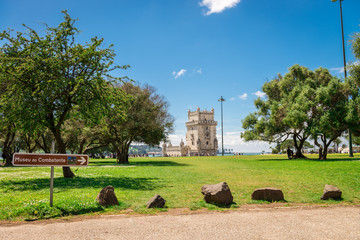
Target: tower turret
point(201, 133)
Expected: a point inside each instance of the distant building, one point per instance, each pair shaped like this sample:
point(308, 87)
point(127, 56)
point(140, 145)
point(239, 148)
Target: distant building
point(356, 149)
point(200, 137)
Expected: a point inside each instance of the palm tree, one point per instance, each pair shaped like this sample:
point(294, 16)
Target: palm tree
point(336, 144)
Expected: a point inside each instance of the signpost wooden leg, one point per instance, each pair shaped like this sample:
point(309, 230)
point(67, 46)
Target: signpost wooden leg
point(52, 175)
point(51, 186)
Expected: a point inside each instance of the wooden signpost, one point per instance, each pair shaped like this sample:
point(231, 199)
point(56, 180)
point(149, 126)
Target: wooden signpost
point(59, 160)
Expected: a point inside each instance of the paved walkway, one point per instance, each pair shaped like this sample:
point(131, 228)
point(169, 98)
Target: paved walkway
point(337, 222)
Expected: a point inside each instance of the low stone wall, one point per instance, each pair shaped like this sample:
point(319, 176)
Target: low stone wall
point(174, 151)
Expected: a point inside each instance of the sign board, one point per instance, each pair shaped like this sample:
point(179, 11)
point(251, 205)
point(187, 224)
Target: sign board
point(60, 160)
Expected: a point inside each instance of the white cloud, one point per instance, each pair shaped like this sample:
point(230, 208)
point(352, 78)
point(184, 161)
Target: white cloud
point(243, 96)
point(217, 6)
point(175, 139)
point(260, 94)
point(232, 99)
point(179, 73)
point(337, 70)
point(340, 70)
point(233, 141)
point(199, 71)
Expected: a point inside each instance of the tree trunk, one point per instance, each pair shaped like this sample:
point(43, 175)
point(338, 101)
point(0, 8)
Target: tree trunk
point(123, 158)
point(320, 147)
point(320, 153)
point(81, 147)
point(323, 149)
point(28, 141)
point(8, 159)
point(324, 154)
point(43, 146)
point(298, 147)
point(10, 136)
point(122, 153)
point(67, 173)
point(299, 154)
point(326, 146)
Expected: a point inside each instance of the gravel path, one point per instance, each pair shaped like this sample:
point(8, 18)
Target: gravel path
point(336, 222)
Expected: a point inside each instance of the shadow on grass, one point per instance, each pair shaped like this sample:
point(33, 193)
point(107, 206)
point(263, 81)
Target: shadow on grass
point(212, 206)
point(309, 159)
point(95, 163)
point(139, 163)
point(334, 160)
point(82, 182)
point(158, 163)
point(230, 205)
point(88, 209)
point(66, 209)
point(267, 201)
point(333, 200)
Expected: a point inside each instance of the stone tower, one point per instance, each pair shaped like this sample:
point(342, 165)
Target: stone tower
point(201, 133)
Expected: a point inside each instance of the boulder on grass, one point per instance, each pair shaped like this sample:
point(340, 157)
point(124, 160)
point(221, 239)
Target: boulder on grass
point(106, 197)
point(156, 202)
point(268, 194)
point(218, 193)
point(331, 191)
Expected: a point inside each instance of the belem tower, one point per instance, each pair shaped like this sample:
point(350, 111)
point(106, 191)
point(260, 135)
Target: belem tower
point(200, 137)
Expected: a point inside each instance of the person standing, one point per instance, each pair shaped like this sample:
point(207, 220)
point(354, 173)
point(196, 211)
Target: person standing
point(289, 153)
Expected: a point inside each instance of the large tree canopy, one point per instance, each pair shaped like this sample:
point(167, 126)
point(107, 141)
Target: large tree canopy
point(354, 84)
point(329, 114)
point(300, 105)
point(147, 120)
point(52, 78)
point(7, 118)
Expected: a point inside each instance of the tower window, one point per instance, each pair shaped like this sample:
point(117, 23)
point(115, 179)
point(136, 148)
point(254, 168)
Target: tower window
point(207, 143)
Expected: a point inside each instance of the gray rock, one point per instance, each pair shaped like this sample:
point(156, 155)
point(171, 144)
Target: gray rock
point(106, 197)
point(156, 202)
point(218, 193)
point(268, 194)
point(331, 191)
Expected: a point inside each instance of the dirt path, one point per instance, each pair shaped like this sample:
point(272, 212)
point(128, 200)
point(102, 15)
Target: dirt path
point(336, 222)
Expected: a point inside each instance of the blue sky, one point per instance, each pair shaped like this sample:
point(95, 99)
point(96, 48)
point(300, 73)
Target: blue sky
point(194, 51)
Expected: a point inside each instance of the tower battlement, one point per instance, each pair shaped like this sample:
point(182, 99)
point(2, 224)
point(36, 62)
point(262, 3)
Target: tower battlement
point(197, 116)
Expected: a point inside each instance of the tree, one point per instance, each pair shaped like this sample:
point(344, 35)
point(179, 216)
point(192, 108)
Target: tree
point(343, 146)
point(293, 107)
point(283, 114)
point(289, 143)
point(81, 138)
point(330, 114)
point(44, 140)
point(7, 120)
point(337, 143)
point(354, 82)
point(147, 120)
point(7, 138)
point(355, 67)
point(52, 75)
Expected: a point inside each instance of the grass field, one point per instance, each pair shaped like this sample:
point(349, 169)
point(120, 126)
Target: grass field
point(25, 190)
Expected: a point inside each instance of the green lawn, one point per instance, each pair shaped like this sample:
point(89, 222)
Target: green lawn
point(25, 190)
